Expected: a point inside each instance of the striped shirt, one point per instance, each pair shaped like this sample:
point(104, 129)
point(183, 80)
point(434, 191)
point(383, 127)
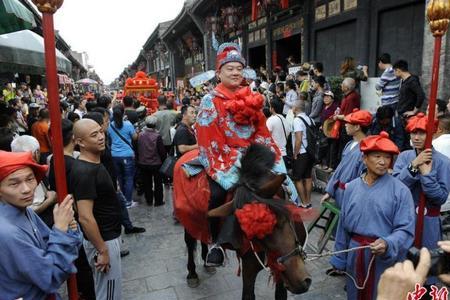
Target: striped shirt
point(389, 85)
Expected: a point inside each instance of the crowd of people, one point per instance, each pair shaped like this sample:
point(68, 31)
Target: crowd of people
point(120, 150)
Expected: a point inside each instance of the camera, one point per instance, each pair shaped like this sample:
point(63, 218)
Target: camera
point(440, 260)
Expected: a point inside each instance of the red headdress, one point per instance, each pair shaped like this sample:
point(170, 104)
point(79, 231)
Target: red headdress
point(359, 117)
point(13, 161)
point(417, 122)
point(229, 52)
point(380, 143)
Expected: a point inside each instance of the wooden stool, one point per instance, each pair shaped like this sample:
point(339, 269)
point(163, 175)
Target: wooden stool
point(331, 222)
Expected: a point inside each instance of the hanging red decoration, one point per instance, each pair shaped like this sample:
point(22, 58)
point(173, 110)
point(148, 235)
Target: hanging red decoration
point(256, 220)
point(254, 10)
point(284, 4)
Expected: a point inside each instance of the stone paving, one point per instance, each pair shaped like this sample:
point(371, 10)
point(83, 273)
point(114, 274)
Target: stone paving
point(156, 267)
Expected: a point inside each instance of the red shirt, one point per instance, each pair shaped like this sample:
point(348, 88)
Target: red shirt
point(350, 102)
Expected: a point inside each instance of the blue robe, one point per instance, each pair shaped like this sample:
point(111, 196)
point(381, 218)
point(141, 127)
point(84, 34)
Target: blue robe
point(350, 167)
point(384, 210)
point(435, 185)
point(34, 260)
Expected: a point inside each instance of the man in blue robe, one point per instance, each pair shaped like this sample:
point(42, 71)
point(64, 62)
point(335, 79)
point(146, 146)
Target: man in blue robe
point(351, 165)
point(425, 171)
point(378, 212)
point(34, 260)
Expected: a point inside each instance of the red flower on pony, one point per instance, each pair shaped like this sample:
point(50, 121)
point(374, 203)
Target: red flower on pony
point(256, 220)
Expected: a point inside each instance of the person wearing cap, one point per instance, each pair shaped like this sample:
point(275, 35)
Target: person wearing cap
point(328, 154)
point(377, 211)
point(35, 260)
point(425, 171)
point(351, 165)
point(229, 120)
point(151, 154)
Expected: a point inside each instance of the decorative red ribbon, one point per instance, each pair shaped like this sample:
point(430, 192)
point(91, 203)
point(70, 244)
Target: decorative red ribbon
point(366, 293)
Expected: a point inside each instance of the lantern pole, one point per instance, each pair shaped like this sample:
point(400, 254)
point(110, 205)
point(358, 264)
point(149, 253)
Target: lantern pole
point(438, 14)
point(48, 8)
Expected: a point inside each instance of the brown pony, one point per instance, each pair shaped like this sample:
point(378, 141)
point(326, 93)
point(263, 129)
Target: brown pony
point(282, 246)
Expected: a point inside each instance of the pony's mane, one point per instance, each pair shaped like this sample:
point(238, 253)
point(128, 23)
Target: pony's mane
point(257, 161)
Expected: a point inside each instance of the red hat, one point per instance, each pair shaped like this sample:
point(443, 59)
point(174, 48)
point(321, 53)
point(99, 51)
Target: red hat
point(380, 143)
point(13, 161)
point(229, 52)
point(359, 117)
point(417, 122)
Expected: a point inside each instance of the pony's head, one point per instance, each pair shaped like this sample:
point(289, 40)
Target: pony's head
point(272, 223)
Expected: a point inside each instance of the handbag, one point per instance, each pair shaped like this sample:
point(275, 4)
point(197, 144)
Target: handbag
point(167, 166)
point(334, 134)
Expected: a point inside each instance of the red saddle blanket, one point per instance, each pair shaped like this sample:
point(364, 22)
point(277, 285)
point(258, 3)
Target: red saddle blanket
point(190, 199)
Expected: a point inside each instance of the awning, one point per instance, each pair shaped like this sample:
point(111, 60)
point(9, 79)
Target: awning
point(14, 16)
point(87, 81)
point(23, 52)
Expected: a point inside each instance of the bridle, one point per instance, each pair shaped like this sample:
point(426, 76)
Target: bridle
point(299, 249)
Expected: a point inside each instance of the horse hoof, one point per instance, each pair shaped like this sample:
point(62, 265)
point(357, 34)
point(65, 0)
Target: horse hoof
point(193, 282)
point(210, 270)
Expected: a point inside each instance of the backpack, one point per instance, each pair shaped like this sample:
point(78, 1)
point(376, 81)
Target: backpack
point(314, 139)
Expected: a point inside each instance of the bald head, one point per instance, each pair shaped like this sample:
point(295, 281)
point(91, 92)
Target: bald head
point(82, 127)
point(89, 136)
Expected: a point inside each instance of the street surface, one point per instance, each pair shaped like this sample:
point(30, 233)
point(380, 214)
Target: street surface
point(156, 267)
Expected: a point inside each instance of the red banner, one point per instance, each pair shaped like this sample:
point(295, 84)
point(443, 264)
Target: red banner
point(284, 4)
point(254, 10)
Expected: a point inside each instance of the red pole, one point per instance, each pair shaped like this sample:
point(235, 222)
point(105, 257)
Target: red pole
point(55, 123)
point(430, 132)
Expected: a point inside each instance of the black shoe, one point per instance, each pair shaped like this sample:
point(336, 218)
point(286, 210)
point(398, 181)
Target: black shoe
point(215, 257)
point(160, 204)
point(124, 253)
point(134, 230)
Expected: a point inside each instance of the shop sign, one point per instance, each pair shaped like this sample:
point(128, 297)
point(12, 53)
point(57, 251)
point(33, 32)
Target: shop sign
point(334, 8)
point(262, 21)
point(288, 29)
point(350, 4)
point(321, 12)
point(251, 37)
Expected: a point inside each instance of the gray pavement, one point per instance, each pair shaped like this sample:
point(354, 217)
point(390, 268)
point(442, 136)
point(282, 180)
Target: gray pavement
point(156, 267)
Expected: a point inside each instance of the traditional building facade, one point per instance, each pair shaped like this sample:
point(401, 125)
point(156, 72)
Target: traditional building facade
point(270, 31)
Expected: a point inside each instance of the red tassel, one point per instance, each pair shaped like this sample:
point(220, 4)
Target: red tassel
point(254, 10)
point(284, 4)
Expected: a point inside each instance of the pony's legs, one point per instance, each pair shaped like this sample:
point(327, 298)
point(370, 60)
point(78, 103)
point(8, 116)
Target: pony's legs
point(250, 269)
point(191, 244)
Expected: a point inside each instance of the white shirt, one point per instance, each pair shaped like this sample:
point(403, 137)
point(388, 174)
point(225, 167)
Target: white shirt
point(442, 144)
point(289, 101)
point(275, 125)
point(299, 126)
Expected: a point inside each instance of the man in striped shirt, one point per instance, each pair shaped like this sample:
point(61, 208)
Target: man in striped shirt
point(389, 84)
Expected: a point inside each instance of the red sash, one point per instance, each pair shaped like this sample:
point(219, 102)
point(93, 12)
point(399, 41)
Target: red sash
point(366, 293)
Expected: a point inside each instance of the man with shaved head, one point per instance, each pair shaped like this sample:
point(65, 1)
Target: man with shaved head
point(98, 210)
